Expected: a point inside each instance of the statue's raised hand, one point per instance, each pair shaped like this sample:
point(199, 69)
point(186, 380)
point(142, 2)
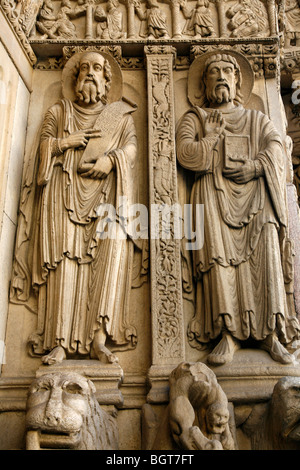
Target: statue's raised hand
point(214, 123)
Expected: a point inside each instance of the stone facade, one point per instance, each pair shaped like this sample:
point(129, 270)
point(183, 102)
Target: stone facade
point(150, 229)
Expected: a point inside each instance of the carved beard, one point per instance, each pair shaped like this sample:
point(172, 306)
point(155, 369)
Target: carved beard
point(220, 95)
point(89, 91)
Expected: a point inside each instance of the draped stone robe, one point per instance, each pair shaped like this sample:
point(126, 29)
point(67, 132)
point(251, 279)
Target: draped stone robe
point(244, 271)
point(82, 280)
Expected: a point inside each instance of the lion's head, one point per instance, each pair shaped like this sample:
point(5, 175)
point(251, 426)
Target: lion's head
point(62, 412)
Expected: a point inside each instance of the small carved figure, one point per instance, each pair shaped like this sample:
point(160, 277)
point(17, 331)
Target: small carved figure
point(46, 19)
point(63, 412)
point(292, 22)
point(110, 23)
point(275, 425)
point(154, 20)
point(28, 12)
point(199, 22)
point(247, 18)
point(198, 415)
point(238, 159)
point(82, 274)
point(63, 26)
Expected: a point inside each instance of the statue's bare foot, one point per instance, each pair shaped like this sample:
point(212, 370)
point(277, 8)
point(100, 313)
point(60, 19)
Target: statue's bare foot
point(104, 354)
point(276, 350)
point(55, 356)
point(224, 351)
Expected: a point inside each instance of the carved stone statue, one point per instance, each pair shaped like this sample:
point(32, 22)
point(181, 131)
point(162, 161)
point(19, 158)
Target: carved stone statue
point(247, 18)
point(275, 425)
point(199, 22)
point(292, 22)
point(110, 23)
point(63, 412)
point(46, 19)
point(154, 21)
point(198, 415)
point(63, 26)
point(82, 273)
point(244, 272)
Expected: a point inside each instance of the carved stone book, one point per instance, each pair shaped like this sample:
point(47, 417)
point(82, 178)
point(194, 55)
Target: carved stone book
point(236, 150)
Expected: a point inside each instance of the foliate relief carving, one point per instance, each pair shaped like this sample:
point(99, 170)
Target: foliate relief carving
point(63, 413)
point(165, 249)
point(86, 161)
point(12, 11)
point(197, 417)
point(231, 168)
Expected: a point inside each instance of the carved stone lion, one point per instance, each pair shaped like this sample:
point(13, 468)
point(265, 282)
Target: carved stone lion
point(62, 412)
point(276, 425)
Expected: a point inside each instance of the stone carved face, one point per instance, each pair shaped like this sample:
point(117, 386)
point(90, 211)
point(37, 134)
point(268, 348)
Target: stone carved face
point(58, 404)
point(217, 416)
point(221, 80)
point(92, 78)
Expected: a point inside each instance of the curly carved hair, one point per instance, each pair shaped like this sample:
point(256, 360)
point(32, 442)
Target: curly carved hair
point(107, 73)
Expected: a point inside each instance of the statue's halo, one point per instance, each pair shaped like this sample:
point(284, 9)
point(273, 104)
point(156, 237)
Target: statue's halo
point(196, 93)
point(68, 77)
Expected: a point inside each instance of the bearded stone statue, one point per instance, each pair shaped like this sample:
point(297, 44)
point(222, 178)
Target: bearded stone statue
point(243, 273)
point(86, 158)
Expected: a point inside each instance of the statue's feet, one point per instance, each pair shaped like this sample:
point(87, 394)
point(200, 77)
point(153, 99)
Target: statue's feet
point(104, 355)
point(276, 350)
point(55, 356)
point(224, 351)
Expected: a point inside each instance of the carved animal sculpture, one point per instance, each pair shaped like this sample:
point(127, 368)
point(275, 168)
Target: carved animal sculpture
point(278, 428)
point(62, 412)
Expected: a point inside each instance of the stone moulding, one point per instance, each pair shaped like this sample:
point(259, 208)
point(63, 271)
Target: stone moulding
point(12, 19)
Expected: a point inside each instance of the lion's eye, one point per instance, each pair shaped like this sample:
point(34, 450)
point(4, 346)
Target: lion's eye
point(42, 387)
point(73, 388)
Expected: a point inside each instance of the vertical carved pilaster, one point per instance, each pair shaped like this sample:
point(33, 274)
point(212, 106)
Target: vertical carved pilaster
point(166, 300)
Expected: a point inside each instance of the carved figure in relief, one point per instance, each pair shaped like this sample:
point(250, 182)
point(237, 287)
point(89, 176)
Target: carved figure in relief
point(110, 23)
point(63, 26)
point(275, 425)
point(199, 22)
point(244, 272)
point(154, 20)
point(292, 22)
point(247, 18)
point(87, 158)
point(198, 415)
point(28, 11)
point(46, 19)
point(63, 412)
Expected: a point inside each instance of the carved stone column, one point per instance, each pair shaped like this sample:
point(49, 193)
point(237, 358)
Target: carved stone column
point(222, 18)
point(175, 9)
point(166, 295)
point(130, 19)
point(271, 6)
